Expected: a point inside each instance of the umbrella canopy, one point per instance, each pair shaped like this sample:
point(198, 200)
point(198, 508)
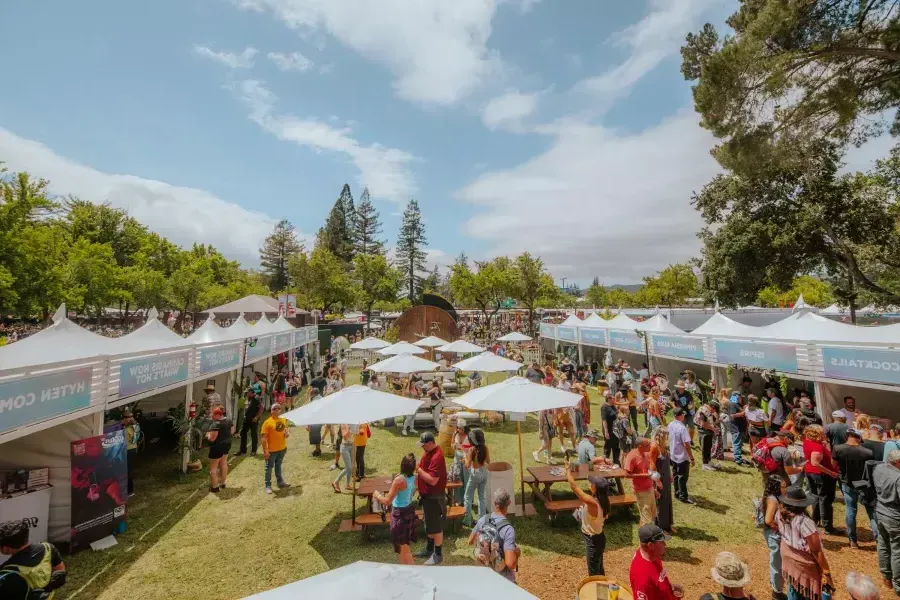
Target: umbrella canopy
point(515, 336)
point(461, 347)
point(401, 348)
point(367, 581)
point(517, 394)
point(488, 362)
point(432, 341)
point(369, 343)
point(353, 405)
point(404, 363)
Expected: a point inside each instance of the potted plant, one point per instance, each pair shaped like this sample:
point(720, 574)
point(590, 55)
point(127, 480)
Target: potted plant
point(189, 437)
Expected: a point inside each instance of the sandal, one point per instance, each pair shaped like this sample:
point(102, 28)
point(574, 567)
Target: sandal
point(337, 488)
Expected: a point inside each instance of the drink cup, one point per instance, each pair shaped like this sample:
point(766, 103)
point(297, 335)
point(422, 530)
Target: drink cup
point(613, 591)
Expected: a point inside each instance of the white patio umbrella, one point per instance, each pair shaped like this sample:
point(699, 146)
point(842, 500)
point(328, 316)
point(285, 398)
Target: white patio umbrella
point(432, 341)
point(403, 363)
point(488, 362)
point(400, 348)
point(364, 580)
point(515, 336)
point(461, 347)
point(353, 405)
point(517, 394)
point(369, 343)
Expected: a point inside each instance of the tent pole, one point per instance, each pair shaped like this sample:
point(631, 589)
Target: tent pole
point(521, 466)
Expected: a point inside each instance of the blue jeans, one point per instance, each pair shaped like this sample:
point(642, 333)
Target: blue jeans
point(793, 594)
point(275, 459)
point(773, 541)
point(579, 424)
point(851, 499)
point(737, 442)
point(477, 481)
point(347, 457)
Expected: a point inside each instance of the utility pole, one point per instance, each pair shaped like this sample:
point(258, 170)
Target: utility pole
point(564, 283)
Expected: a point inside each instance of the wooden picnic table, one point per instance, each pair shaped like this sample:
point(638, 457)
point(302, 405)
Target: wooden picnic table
point(542, 479)
point(382, 483)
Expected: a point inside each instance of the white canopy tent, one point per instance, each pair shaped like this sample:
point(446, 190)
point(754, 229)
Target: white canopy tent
point(719, 324)
point(834, 309)
point(249, 304)
point(263, 326)
point(150, 336)
point(431, 341)
point(63, 341)
point(514, 336)
point(208, 333)
point(461, 347)
point(594, 320)
point(658, 324)
point(404, 363)
point(572, 321)
point(400, 348)
point(369, 343)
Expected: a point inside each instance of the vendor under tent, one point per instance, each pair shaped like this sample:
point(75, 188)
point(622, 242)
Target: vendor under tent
point(353, 405)
point(374, 581)
point(404, 364)
point(369, 343)
point(518, 395)
point(401, 348)
point(461, 347)
point(514, 336)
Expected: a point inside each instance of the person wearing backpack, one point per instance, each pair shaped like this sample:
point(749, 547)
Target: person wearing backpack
point(494, 538)
point(772, 456)
point(33, 571)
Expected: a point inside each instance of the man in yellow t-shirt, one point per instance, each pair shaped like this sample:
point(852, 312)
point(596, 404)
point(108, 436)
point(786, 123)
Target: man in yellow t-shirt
point(274, 442)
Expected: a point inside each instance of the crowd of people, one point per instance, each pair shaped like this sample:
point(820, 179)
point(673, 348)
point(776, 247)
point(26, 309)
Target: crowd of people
point(14, 331)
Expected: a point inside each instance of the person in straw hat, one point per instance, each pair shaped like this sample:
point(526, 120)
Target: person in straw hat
point(732, 574)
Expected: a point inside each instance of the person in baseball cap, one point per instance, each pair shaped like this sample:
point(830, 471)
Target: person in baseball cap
point(647, 574)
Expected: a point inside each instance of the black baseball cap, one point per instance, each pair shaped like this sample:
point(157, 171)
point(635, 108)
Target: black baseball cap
point(650, 533)
point(600, 481)
point(677, 411)
point(425, 438)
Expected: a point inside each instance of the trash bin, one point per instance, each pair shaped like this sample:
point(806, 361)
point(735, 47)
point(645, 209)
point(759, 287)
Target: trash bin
point(500, 475)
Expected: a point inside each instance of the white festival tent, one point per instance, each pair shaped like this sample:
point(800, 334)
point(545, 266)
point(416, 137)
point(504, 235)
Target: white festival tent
point(594, 320)
point(834, 309)
point(719, 324)
point(432, 341)
point(514, 336)
point(150, 336)
point(404, 363)
point(369, 343)
point(488, 362)
point(400, 348)
point(374, 581)
point(658, 324)
point(248, 304)
point(461, 347)
point(572, 321)
point(209, 332)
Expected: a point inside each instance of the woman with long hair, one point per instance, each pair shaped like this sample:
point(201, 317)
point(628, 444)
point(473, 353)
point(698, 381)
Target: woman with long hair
point(659, 458)
point(545, 433)
point(654, 411)
point(768, 509)
point(821, 473)
point(718, 449)
point(756, 419)
point(410, 391)
point(803, 563)
point(476, 462)
point(403, 512)
point(622, 428)
point(461, 446)
point(594, 513)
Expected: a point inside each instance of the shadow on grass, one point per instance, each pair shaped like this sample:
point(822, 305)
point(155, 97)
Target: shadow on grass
point(681, 555)
point(707, 504)
point(692, 533)
point(229, 493)
point(288, 492)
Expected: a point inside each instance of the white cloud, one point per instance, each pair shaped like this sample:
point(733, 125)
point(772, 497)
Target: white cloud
point(386, 171)
point(508, 110)
point(651, 40)
point(244, 60)
point(183, 215)
point(290, 62)
point(436, 49)
point(598, 202)
point(326, 69)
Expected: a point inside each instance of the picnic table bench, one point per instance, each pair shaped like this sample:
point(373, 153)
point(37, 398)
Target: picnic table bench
point(381, 483)
point(543, 478)
point(554, 507)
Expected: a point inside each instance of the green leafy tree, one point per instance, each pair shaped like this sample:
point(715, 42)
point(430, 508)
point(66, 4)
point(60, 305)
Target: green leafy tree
point(670, 287)
point(366, 231)
point(335, 235)
point(432, 283)
point(620, 298)
point(410, 253)
point(322, 278)
point(102, 224)
point(145, 288)
point(597, 295)
point(815, 293)
point(188, 284)
point(277, 250)
point(486, 288)
point(92, 277)
point(375, 281)
point(528, 283)
point(796, 68)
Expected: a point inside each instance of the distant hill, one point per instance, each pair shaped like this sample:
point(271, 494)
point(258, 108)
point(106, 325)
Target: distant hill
point(631, 288)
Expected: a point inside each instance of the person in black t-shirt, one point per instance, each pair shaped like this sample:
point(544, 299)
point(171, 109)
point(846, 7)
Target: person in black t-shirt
point(15, 583)
point(320, 383)
point(219, 437)
point(608, 414)
point(568, 368)
point(851, 458)
point(251, 423)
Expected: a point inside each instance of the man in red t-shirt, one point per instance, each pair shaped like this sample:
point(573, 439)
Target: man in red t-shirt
point(637, 465)
point(649, 580)
point(431, 481)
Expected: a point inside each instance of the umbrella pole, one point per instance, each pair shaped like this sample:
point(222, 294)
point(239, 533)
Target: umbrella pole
point(521, 466)
point(353, 483)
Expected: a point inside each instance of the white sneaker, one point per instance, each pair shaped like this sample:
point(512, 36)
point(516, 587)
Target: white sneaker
point(414, 432)
point(332, 467)
point(403, 432)
point(537, 458)
point(708, 468)
point(268, 490)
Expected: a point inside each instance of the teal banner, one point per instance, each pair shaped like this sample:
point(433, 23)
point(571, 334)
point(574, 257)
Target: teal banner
point(548, 331)
point(625, 340)
point(220, 358)
point(781, 357)
point(144, 374)
point(262, 349)
point(880, 366)
point(35, 399)
point(673, 345)
point(567, 334)
point(593, 337)
point(282, 342)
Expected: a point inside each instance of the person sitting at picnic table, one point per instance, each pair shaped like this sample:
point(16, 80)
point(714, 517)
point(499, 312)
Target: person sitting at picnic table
point(594, 513)
point(403, 512)
point(587, 450)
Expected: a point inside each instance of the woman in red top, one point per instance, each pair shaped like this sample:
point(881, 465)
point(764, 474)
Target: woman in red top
point(822, 474)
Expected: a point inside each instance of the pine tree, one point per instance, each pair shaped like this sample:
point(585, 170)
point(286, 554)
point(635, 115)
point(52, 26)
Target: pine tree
point(349, 215)
point(432, 283)
point(463, 259)
point(410, 255)
point(278, 248)
point(335, 235)
point(367, 227)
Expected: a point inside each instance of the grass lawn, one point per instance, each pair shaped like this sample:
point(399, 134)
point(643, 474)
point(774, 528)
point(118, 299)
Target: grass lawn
point(183, 542)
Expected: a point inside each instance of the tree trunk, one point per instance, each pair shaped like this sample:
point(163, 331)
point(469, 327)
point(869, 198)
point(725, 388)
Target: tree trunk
point(531, 321)
point(125, 318)
point(368, 318)
point(851, 285)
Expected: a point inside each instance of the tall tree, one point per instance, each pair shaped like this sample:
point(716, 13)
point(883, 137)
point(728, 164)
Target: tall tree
point(367, 227)
point(485, 288)
point(349, 212)
point(529, 282)
point(277, 250)
point(335, 235)
point(432, 283)
point(815, 293)
point(796, 68)
point(322, 278)
point(409, 251)
point(671, 286)
point(596, 295)
point(376, 281)
point(92, 277)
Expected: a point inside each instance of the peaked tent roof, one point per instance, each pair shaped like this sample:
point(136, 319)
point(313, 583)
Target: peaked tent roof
point(658, 324)
point(834, 309)
point(263, 326)
point(239, 329)
point(209, 332)
point(253, 303)
point(281, 325)
point(150, 336)
point(719, 324)
point(62, 341)
point(594, 320)
point(622, 321)
point(571, 321)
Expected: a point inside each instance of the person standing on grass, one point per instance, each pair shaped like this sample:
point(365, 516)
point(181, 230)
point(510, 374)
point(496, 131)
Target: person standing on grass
point(775, 410)
point(360, 441)
point(647, 575)
point(32, 571)
point(594, 513)
point(432, 484)
point(886, 477)
point(803, 561)
point(851, 458)
point(836, 431)
point(219, 437)
point(822, 474)
point(736, 409)
point(705, 419)
point(461, 447)
point(765, 518)
point(132, 435)
point(654, 411)
point(476, 461)
point(608, 414)
point(498, 519)
point(637, 467)
point(680, 454)
point(251, 423)
point(660, 460)
point(347, 435)
point(403, 513)
point(274, 442)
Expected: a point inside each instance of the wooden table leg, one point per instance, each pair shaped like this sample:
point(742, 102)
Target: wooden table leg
point(537, 493)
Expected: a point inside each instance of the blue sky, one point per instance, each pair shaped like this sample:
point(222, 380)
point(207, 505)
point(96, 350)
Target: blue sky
point(559, 127)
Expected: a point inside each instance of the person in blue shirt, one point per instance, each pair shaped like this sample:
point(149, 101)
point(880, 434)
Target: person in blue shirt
point(403, 512)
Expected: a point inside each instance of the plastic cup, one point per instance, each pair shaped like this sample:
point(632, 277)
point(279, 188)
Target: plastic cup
point(613, 591)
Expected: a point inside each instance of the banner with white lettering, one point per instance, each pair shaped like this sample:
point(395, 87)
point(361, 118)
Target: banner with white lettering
point(31, 507)
point(674, 345)
point(880, 366)
point(548, 330)
point(781, 357)
point(99, 486)
point(261, 349)
point(282, 342)
point(35, 399)
point(626, 340)
point(143, 374)
point(220, 358)
point(593, 337)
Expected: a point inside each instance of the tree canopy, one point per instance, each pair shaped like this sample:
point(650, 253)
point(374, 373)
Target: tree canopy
point(410, 253)
point(277, 250)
